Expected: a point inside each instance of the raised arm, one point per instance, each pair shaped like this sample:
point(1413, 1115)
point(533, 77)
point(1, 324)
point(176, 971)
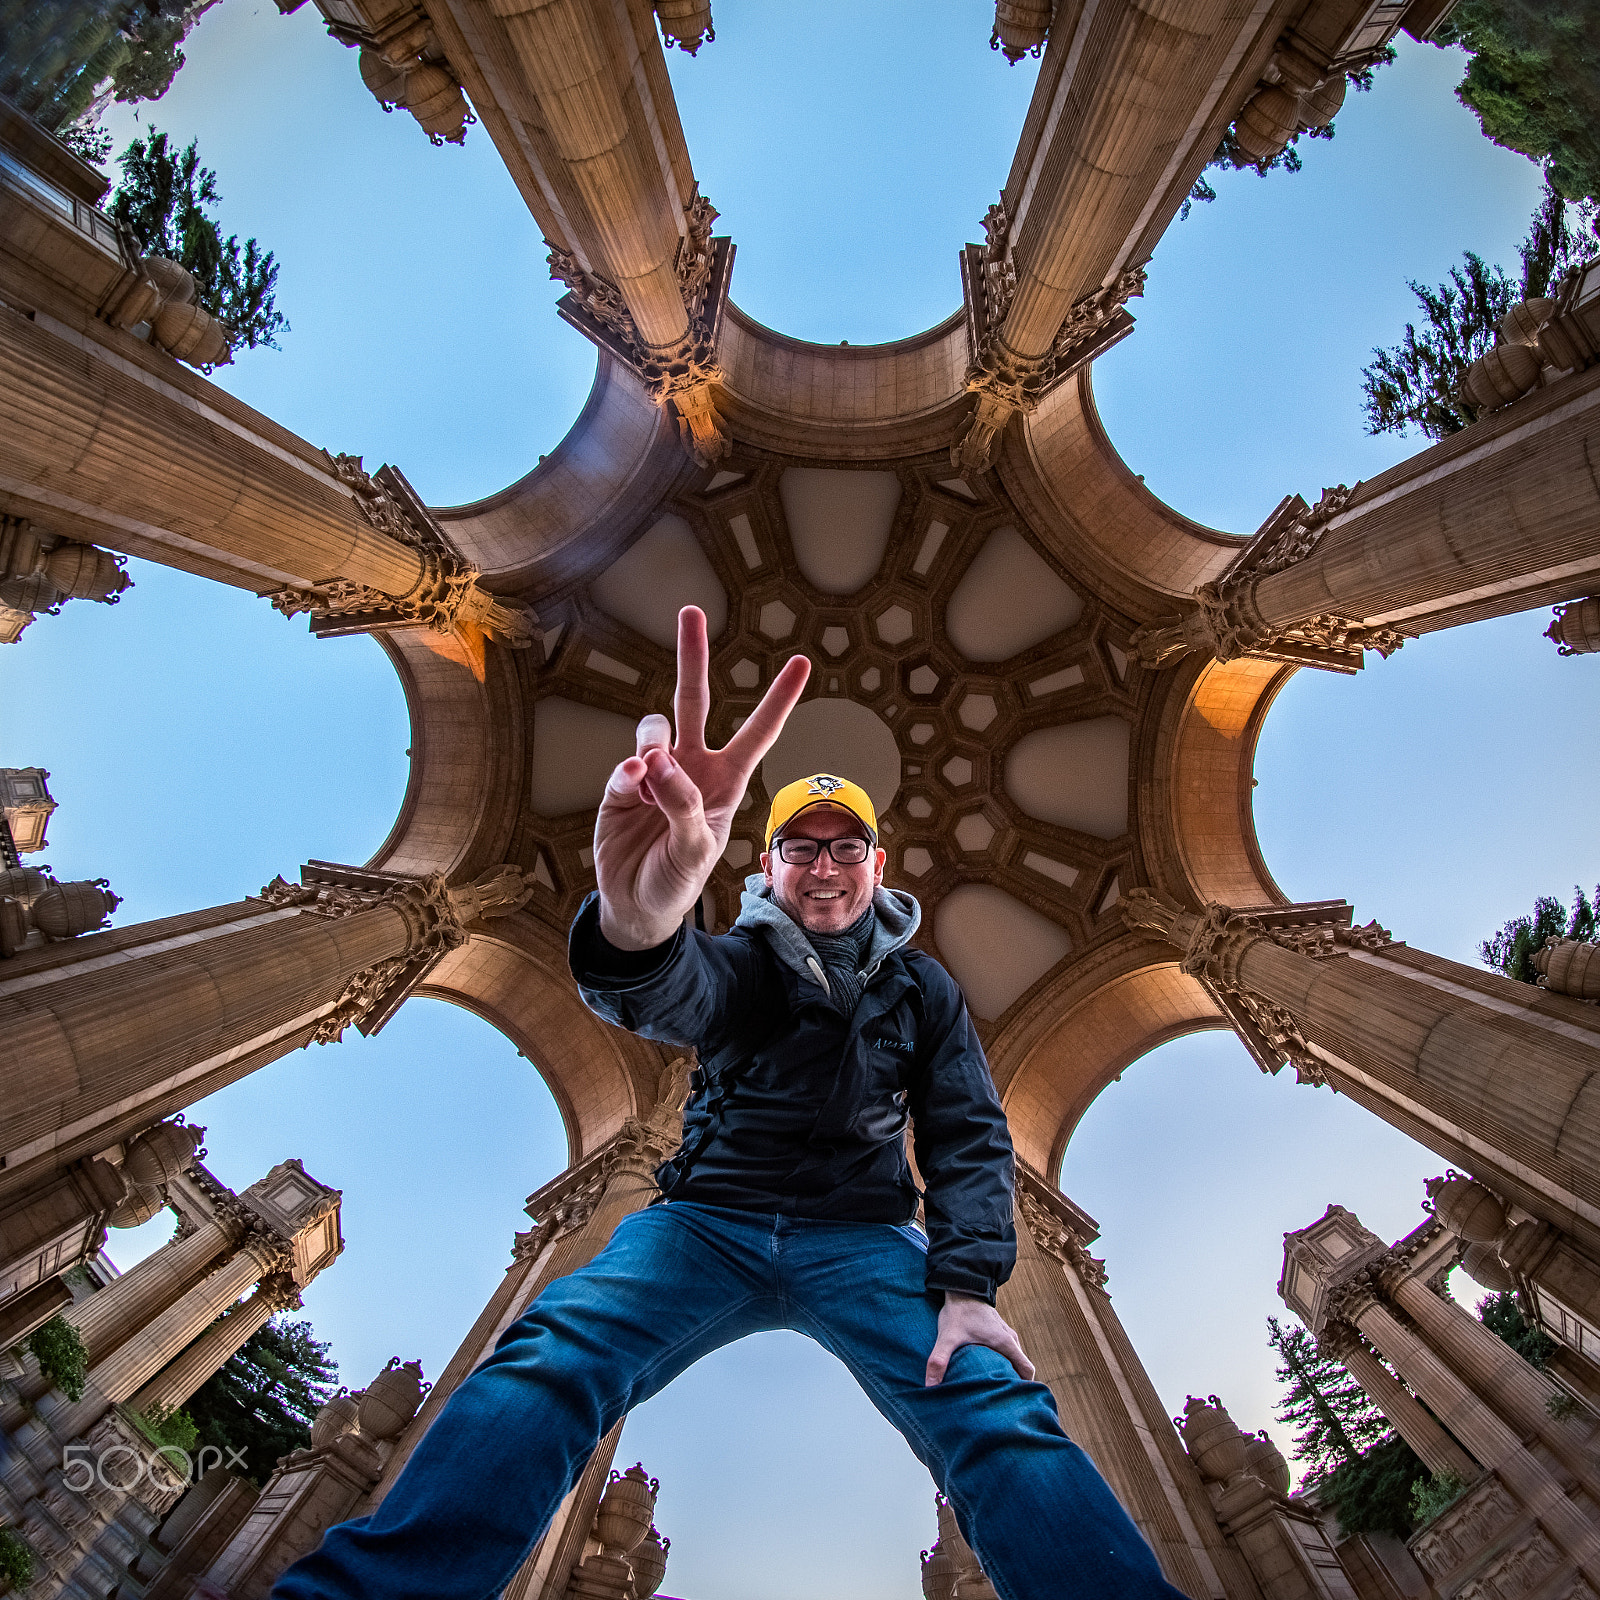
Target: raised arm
point(667, 809)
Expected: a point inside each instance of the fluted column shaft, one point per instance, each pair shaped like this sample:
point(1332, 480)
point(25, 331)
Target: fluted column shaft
point(1501, 1070)
point(1498, 1373)
point(138, 1358)
point(1438, 1452)
point(1058, 1333)
point(630, 1188)
point(567, 65)
point(1483, 1433)
point(133, 459)
point(91, 1039)
point(105, 1319)
point(1143, 73)
point(1496, 519)
point(179, 1379)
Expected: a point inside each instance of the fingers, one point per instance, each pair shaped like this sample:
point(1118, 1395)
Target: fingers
point(627, 777)
point(693, 700)
point(674, 792)
point(766, 722)
point(939, 1360)
point(652, 731)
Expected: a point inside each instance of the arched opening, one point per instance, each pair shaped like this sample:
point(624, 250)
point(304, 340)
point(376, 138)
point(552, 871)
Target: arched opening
point(1195, 1165)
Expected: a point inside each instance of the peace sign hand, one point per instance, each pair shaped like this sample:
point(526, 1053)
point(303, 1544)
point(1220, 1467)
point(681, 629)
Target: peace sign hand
point(668, 809)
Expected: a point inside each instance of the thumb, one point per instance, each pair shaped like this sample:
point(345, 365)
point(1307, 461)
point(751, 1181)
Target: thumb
point(939, 1360)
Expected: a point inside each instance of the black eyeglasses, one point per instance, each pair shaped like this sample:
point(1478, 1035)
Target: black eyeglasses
point(850, 851)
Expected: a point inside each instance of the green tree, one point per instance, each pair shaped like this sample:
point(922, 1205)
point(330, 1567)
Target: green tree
point(1511, 950)
point(263, 1399)
point(62, 1359)
point(16, 1559)
point(163, 198)
point(1534, 82)
point(1499, 1314)
point(59, 57)
point(1376, 1493)
point(1334, 1417)
point(1229, 156)
point(1415, 383)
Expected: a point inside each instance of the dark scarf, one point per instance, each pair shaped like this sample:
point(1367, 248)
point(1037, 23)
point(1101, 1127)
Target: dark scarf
point(842, 956)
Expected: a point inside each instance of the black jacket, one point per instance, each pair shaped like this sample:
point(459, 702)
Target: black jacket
point(799, 1109)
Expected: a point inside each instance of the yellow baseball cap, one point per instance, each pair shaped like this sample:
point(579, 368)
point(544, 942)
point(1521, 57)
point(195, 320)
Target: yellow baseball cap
point(820, 789)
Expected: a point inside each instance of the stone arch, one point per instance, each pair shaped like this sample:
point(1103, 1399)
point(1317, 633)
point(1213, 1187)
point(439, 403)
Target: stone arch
point(466, 753)
point(1196, 783)
point(1140, 553)
point(1081, 1033)
point(516, 979)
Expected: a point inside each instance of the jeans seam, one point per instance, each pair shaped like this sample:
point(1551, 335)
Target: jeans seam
point(666, 1355)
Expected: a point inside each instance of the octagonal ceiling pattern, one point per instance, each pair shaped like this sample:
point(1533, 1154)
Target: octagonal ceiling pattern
point(980, 694)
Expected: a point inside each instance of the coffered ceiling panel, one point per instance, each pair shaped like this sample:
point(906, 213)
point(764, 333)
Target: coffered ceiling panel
point(996, 946)
point(657, 576)
point(575, 748)
point(1075, 775)
point(1008, 598)
point(839, 524)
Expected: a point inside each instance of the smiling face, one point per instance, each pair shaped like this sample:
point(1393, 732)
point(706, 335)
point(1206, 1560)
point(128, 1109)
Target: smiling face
point(823, 897)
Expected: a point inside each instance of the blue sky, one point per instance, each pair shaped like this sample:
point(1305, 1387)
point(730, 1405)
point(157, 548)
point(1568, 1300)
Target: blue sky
point(199, 743)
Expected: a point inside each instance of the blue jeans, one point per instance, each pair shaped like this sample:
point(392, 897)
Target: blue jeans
point(676, 1282)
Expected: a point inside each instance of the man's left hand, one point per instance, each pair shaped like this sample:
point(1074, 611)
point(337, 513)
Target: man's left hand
point(963, 1320)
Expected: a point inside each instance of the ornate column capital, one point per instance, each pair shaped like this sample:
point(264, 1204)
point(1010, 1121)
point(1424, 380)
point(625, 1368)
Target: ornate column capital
point(436, 915)
point(1228, 624)
point(445, 596)
point(1005, 381)
point(684, 375)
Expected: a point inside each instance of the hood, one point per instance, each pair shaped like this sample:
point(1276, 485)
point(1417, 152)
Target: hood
point(897, 917)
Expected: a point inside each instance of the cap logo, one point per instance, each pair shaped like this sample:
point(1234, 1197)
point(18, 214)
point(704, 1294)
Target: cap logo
point(823, 784)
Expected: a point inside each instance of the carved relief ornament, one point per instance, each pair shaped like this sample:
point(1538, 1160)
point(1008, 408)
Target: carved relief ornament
point(446, 594)
point(1228, 624)
point(1004, 382)
point(436, 917)
point(685, 375)
point(1214, 942)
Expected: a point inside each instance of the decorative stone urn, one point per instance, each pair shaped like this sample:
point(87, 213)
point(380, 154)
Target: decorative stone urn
point(1467, 1208)
point(627, 1509)
point(1213, 1439)
point(160, 1153)
point(1263, 1458)
point(337, 1418)
point(391, 1399)
point(1482, 1265)
point(939, 1573)
point(649, 1563)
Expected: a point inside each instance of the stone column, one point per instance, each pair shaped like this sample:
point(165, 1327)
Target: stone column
point(1516, 1390)
point(160, 464)
point(119, 1375)
point(99, 1038)
point(111, 1316)
point(1420, 1429)
point(1338, 1271)
point(1499, 1077)
point(575, 1216)
point(617, 175)
point(179, 1379)
point(1501, 517)
point(1055, 1300)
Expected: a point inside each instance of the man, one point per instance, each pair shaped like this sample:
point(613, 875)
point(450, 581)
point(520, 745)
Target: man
point(790, 1203)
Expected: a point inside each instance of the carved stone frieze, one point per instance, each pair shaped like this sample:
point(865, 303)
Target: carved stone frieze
point(684, 375)
point(1480, 1515)
point(436, 915)
point(1227, 623)
point(446, 594)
